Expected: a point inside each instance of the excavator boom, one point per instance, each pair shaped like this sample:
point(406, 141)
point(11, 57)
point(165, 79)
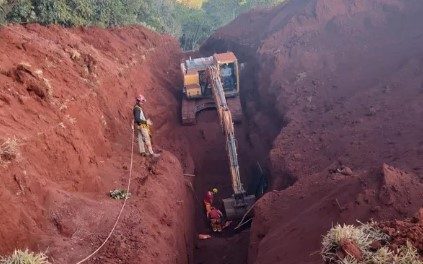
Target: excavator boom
point(226, 122)
point(237, 205)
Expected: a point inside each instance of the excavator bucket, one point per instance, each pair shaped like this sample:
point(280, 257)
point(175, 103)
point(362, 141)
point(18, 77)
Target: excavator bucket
point(237, 208)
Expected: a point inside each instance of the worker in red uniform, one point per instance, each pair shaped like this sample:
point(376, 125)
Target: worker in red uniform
point(208, 200)
point(215, 216)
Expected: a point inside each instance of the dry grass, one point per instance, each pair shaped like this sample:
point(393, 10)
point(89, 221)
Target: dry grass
point(70, 120)
point(301, 76)
point(9, 150)
point(407, 255)
point(373, 232)
point(25, 257)
point(349, 260)
point(382, 256)
point(332, 241)
point(363, 236)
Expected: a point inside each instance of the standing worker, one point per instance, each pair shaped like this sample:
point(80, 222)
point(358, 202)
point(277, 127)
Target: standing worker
point(143, 128)
point(226, 75)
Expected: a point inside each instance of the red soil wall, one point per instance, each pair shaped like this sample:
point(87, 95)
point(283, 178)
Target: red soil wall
point(66, 96)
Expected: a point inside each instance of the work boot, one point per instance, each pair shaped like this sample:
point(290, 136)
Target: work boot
point(154, 155)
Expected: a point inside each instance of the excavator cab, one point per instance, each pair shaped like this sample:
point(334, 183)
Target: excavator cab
point(197, 92)
point(228, 77)
point(229, 73)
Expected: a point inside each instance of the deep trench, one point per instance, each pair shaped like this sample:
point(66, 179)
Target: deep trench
point(212, 170)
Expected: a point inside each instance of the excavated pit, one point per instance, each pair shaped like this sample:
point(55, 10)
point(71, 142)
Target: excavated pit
point(255, 135)
point(348, 89)
point(322, 125)
point(55, 72)
point(263, 122)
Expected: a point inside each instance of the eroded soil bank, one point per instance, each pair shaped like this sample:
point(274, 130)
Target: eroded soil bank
point(66, 99)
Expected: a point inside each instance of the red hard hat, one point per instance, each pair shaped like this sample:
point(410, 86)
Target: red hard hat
point(141, 98)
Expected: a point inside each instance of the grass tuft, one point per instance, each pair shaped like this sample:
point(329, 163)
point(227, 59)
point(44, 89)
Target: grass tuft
point(9, 150)
point(349, 260)
point(363, 236)
point(332, 241)
point(383, 256)
point(25, 257)
point(407, 255)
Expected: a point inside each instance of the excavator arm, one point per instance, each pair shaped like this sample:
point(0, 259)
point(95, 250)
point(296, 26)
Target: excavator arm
point(225, 117)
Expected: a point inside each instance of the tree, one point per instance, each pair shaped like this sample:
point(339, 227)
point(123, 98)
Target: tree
point(197, 19)
point(196, 26)
point(221, 11)
point(18, 11)
point(110, 13)
point(64, 12)
point(197, 4)
point(160, 15)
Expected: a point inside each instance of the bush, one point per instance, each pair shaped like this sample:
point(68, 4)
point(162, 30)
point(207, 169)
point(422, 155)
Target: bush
point(197, 19)
point(19, 11)
point(25, 257)
point(2, 13)
point(111, 13)
point(63, 12)
point(161, 15)
point(196, 27)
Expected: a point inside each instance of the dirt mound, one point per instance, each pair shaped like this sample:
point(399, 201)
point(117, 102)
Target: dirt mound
point(343, 78)
point(396, 185)
point(409, 230)
point(289, 224)
point(66, 100)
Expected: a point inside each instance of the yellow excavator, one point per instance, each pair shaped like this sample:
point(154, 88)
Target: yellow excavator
point(213, 82)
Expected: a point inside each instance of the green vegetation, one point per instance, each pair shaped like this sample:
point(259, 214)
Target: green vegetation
point(197, 19)
point(25, 257)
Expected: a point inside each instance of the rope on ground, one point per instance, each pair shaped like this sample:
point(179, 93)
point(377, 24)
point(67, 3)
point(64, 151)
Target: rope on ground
point(123, 205)
point(242, 220)
point(244, 223)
